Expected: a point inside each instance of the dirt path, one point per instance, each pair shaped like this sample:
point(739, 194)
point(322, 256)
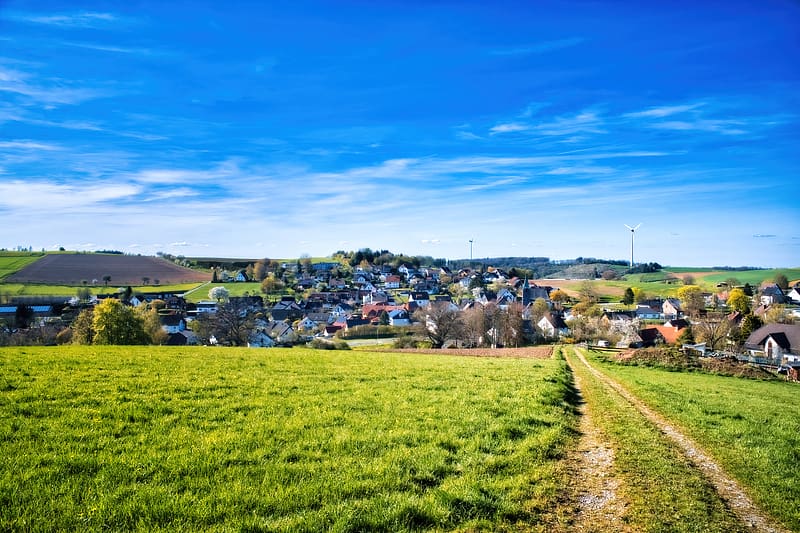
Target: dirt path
point(728, 489)
point(595, 492)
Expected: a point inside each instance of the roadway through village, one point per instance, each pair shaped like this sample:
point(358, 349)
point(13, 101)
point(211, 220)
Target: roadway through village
point(595, 493)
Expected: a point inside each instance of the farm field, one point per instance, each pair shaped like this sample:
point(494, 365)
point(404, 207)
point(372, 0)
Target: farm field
point(11, 262)
point(74, 269)
point(654, 285)
point(752, 428)
point(205, 439)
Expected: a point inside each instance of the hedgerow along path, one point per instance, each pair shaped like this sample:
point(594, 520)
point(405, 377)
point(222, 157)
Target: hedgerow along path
point(630, 496)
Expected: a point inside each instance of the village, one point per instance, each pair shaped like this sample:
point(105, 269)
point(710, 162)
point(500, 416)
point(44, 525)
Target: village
point(435, 306)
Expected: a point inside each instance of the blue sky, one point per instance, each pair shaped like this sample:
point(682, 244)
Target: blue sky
point(532, 128)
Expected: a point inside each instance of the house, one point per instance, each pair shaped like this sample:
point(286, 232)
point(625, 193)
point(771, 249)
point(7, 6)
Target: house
point(399, 317)
point(182, 338)
point(671, 308)
point(779, 342)
point(286, 310)
point(531, 293)
point(645, 312)
point(279, 331)
point(421, 299)
point(206, 306)
point(772, 294)
point(260, 339)
point(670, 331)
point(794, 295)
point(392, 282)
point(172, 323)
point(241, 276)
point(552, 325)
point(651, 336)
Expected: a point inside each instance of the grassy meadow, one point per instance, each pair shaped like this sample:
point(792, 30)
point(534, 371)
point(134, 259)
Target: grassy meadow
point(207, 439)
point(11, 262)
point(751, 427)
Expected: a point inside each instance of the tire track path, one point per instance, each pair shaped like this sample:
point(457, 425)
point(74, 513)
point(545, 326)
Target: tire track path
point(728, 488)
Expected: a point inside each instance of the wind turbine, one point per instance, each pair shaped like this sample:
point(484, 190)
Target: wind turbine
point(633, 230)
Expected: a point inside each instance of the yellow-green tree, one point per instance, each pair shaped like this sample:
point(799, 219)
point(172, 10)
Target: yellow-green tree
point(739, 301)
point(691, 297)
point(115, 323)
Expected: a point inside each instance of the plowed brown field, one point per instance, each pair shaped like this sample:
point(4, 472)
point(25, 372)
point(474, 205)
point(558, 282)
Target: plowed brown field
point(74, 269)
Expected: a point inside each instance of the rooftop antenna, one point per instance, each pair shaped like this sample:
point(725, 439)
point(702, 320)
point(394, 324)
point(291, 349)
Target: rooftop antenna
point(633, 230)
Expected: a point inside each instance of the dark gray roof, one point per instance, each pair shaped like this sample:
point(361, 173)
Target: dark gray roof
point(786, 335)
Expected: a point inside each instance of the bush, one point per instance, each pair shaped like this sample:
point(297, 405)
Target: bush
point(405, 342)
point(324, 344)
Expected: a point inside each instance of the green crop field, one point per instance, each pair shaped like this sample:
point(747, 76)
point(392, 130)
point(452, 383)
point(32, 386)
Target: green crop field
point(751, 427)
point(206, 439)
point(11, 262)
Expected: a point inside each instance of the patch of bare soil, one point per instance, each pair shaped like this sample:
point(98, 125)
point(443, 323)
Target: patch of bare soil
point(728, 489)
point(74, 269)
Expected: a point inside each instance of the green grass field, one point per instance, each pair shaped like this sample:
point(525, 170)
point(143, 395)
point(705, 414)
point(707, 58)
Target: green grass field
point(205, 439)
point(751, 427)
point(11, 262)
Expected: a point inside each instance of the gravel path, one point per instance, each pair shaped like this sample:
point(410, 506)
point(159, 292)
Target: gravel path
point(728, 489)
point(595, 492)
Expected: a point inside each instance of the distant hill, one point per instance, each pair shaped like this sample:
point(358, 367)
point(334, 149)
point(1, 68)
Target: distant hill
point(74, 269)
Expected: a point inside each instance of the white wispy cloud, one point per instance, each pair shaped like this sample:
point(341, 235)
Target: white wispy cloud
point(663, 111)
point(85, 19)
point(42, 195)
point(28, 145)
point(109, 48)
point(47, 91)
point(510, 127)
point(537, 48)
point(726, 127)
point(583, 122)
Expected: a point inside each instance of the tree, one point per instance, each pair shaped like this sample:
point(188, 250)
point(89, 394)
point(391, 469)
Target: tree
point(82, 328)
point(152, 325)
point(115, 323)
point(739, 301)
point(732, 282)
point(83, 294)
point(691, 297)
point(145, 280)
point(748, 289)
point(713, 330)
point(271, 285)
point(588, 294)
point(559, 298)
point(439, 323)
point(688, 279)
point(23, 316)
point(777, 314)
point(629, 297)
point(539, 308)
point(781, 281)
point(686, 337)
point(219, 293)
point(233, 323)
point(513, 333)
point(106, 279)
point(638, 295)
point(260, 270)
